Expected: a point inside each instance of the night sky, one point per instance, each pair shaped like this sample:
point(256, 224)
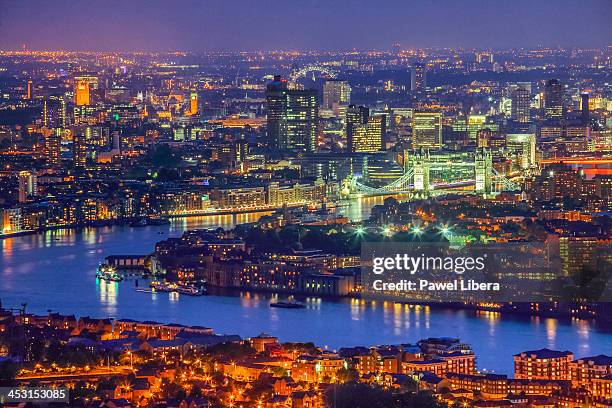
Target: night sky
point(200, 25)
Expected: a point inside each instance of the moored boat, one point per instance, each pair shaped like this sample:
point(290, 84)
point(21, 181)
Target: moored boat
point(288, 305)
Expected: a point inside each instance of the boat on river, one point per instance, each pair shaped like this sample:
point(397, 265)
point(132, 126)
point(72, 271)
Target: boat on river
point(288, 305)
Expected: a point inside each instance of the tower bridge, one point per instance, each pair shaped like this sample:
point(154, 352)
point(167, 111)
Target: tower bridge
point(417, 178)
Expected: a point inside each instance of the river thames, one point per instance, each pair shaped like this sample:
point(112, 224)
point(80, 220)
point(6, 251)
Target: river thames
point(56, 270)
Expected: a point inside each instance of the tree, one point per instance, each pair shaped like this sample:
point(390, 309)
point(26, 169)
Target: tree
point(346, 375)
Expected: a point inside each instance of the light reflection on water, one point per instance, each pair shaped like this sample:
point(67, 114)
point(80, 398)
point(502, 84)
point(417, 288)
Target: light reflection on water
point(56, 270)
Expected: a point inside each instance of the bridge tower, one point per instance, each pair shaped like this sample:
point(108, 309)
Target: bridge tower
point(483, 167)
point(420, 169)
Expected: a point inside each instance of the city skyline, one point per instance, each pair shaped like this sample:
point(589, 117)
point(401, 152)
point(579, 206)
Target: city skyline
point(211, 26)
point(424, 221)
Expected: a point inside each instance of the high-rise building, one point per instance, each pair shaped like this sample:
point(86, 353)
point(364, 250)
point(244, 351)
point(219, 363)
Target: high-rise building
point(523, 146)
point(520, 96)
point(54, 112)
point(79, 148)
point(81, 92)
point(584, 107)
point(292, 116)
point(553, 98)
point(53, 143)
point(427, 130)
point(474, 124)
point(364, 133)
point(356, 115)
point(336, 92)
point(418, 77)
point(27, 185)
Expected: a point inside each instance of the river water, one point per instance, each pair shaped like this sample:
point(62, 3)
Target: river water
point(55, 271)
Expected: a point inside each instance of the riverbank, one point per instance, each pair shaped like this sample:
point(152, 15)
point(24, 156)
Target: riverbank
point(128, 221)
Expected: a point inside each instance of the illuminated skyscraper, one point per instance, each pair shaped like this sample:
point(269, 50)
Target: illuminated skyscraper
point(54, 112)
point(523, 145)
point(553, 98)
point(356, 115)
point(27, 185)
point(418, 77)
point(53, 143)
point(475, 123)
point(520, 96)
point(292, 116)
point(79, 148)
point(427, 130)
point(336, 92)
point(364, 133)
point(81, 92)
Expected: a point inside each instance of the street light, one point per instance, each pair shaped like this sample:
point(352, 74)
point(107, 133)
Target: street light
point(444, 229)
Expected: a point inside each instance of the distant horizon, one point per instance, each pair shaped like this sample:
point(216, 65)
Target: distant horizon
point(245, 25)
point(288, 50)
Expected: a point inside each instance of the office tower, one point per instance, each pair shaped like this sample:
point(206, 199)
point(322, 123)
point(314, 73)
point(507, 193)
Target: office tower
point(79, 148)
point(54, 112)
point(376, 131)
point(418, 77)
point(474, 124)
point(336, 92)
point(520, 96)
point(27, 185)
point(356, 115)
point(427, 130)
point(585, 114)
point(53, 143)
point(29, 92)
point(364, 133)
point(523, 146)
point(81, 92)
point(292, 116)
point(355, 124)
point(193, 103)
point(553, 99)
